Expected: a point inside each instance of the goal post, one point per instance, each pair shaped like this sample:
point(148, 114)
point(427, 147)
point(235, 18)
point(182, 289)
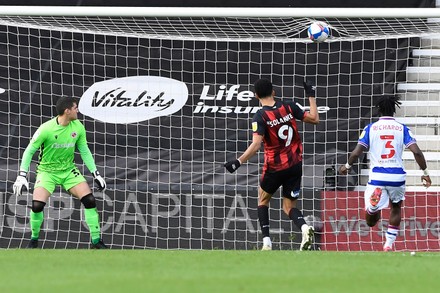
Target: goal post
point(166, 98)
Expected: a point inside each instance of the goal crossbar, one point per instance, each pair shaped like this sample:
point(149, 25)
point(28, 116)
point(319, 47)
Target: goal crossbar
point(263, 12)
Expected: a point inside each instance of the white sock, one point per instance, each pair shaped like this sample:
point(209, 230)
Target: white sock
point(372, 210)
point(267, 242)
point(391, 235)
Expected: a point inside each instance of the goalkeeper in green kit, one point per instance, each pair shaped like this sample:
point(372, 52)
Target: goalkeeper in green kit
point(57, 140)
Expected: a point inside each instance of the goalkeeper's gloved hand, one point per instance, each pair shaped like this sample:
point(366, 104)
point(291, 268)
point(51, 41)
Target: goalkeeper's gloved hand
point(99, 181)
point(233, 165)
point(309, 88)
point(20, 182)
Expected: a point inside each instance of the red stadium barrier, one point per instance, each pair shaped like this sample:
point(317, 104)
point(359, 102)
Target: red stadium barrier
point(345, 227)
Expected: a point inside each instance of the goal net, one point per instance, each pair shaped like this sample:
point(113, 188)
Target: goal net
point(166, 98)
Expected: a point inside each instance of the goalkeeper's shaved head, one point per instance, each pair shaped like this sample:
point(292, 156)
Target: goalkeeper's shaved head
point(263, 88)
point(64, 103)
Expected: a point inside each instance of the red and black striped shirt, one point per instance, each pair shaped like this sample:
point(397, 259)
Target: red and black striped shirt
point(277, 125)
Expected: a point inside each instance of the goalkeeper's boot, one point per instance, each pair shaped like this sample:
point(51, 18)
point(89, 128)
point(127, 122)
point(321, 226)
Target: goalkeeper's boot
point(99, 245)
point(33, 243)
point(307, 238)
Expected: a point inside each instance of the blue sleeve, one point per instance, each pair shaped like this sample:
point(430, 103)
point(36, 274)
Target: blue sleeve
point(364, 138)
point(408, 137)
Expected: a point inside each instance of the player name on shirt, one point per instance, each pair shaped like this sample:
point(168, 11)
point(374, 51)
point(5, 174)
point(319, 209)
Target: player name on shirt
point(281, 120)
point(388, 127)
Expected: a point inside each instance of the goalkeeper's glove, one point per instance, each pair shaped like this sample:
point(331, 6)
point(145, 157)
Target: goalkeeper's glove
point(20, 182)
point(309, 88)
point(99, 181)
point(233, 165)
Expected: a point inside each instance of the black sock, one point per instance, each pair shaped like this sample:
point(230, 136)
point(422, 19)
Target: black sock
point(263, 217)
point(297, 217)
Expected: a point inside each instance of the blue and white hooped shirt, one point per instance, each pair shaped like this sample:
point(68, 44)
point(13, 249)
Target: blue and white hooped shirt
point(386, 140)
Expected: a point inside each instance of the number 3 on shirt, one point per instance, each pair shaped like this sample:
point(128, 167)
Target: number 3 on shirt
point(388, 140)
point(282, 134)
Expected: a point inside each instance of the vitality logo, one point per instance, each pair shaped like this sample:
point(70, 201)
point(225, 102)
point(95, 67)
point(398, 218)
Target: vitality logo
point(133, 99)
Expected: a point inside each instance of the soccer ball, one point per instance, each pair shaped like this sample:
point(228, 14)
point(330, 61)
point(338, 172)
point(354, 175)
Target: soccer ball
point(318, 31)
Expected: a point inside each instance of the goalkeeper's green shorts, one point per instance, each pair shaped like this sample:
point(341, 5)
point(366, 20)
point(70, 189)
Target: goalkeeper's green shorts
point(67, 179)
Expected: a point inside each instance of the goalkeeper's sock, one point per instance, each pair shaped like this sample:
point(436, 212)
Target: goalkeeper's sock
point(36, 221)
point(391, 235)
point(263, 217)
point(297, 217)
point(92, 221)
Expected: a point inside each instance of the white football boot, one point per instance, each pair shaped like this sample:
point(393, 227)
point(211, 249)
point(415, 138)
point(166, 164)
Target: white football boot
point(307, 237)
point(267, 244)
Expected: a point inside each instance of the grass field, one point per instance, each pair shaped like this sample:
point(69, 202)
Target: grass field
point(217, 271)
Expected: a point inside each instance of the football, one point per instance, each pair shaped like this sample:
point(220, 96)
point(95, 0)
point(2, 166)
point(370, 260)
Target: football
point(318, 31)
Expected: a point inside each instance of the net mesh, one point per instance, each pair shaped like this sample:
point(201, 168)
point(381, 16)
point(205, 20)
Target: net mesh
point(167, 187)
point(230, 28)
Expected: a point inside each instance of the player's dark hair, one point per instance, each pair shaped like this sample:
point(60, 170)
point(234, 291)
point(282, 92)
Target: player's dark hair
point(387, 105)
point(263, 88)
point(64, 103)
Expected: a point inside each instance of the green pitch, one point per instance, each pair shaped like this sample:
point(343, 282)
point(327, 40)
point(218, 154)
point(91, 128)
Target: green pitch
point(217, 271)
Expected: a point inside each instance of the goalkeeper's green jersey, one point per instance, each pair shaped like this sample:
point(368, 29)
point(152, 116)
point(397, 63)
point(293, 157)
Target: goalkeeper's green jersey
point(57, 144)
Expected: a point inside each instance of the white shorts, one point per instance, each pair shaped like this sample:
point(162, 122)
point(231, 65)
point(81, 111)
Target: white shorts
point(393, 193)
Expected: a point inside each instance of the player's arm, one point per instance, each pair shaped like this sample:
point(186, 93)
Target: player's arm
point(363, 145)
point(411, 143)
point(27, 157)
point(312, 116)
point(420, 159)
point(86, 156)
point(258, 132)
point(35, 143)
point(358, 150)
point(252, 149)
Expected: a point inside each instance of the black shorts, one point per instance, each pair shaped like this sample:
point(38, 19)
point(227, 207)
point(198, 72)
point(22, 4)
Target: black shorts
point(290, 179)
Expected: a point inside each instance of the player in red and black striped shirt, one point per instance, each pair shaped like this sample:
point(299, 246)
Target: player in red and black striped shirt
point(275, 126)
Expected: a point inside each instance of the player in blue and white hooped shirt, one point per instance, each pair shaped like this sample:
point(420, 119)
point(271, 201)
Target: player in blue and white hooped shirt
point(385, 141)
